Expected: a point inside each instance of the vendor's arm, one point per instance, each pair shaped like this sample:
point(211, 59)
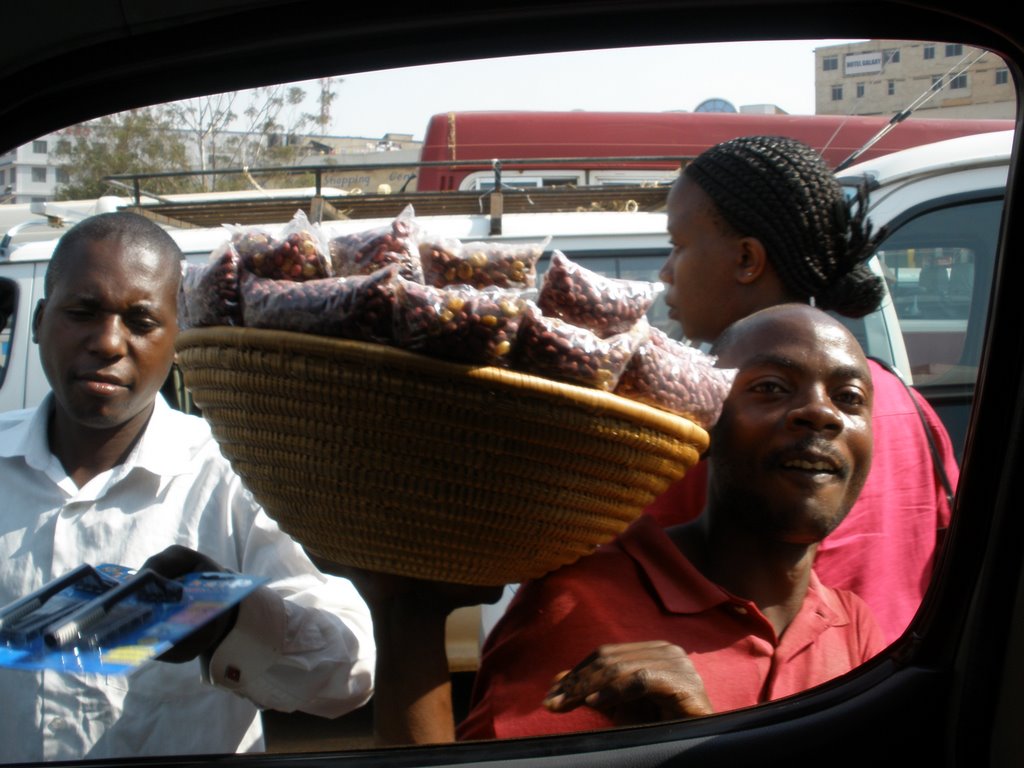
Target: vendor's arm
point(633, 683)
point(412, 696)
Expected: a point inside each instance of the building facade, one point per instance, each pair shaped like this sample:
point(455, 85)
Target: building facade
point(884, 77)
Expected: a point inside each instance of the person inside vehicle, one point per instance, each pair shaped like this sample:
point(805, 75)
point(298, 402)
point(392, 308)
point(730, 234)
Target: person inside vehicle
point(721, 613)
point(761, 220)
point(104, 471)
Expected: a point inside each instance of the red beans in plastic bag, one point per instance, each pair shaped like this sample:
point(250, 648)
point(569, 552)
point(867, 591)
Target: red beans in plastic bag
point(670, 375)
point(583, 297)
point(459, 323)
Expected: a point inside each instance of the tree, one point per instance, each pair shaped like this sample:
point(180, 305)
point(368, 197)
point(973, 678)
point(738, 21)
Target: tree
point(262, 127)
point(136, 141)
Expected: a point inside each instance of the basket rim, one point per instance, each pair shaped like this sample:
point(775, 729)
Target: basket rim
point(381, 355)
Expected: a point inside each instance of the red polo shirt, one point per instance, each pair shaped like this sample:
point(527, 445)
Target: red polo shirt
point(885, 548)
point(642, 588)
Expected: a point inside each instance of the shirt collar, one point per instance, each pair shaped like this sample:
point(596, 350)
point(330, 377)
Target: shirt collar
point(682, 589)
point(159, 450)
point(27, 437)
point(162, 450)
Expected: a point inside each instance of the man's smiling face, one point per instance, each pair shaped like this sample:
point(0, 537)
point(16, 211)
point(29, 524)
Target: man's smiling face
point(793, 446)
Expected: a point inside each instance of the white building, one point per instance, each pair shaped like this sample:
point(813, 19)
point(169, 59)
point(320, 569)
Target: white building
point(884, 77)
point(27, 174)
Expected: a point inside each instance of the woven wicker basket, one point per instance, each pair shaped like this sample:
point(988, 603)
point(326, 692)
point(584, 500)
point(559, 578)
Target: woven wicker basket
point(385, 460)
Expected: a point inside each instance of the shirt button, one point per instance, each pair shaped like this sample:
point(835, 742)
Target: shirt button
point(740, 609)
point(57, 725)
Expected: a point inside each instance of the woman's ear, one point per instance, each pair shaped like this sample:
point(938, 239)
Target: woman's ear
point(751, 261)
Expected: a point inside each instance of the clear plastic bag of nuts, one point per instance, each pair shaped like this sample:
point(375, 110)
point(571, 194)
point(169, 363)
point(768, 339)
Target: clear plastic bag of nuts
point(670, 375)
point(366, 251)
point(449, 261)
point(458, 323)
point(557, 349)
point(300, 252)
point(360, 307)
point(605, 305)
point(209, 293)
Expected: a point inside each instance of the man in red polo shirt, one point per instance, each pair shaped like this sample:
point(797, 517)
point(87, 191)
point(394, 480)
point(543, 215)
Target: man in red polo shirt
point(717, 614)
point(724, 612)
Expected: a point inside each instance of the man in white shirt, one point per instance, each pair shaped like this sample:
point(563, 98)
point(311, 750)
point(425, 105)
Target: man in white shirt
point(105, 471)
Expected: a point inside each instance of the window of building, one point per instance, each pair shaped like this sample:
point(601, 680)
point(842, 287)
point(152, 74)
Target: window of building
point(891, 88)
point(39, 175)
point(1002, 76)
point(892, 56)
point(62, 176)
point(958, 82)
point(860, 90)
point(936, 82)
point(929, 51)
point(39, 146)
point(63, 146)
point(830, 63)
point(954, 49)
point(837, 93)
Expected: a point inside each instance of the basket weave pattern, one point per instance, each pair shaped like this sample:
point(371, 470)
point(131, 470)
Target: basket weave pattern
point(381, 459)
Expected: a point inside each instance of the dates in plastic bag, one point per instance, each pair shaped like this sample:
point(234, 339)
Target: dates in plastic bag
point(361, 253)
point(548, 346)
point(458, 323)
point(480, 264)
point(359, 307)
point(582, 297)
point(670, 375)
point(209, 293)
point(300, 253)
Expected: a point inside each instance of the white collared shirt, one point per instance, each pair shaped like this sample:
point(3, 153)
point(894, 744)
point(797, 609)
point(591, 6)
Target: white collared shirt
point(304, 642)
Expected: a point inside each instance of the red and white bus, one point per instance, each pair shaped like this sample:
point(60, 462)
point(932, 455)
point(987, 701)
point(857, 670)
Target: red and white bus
point(610, 147)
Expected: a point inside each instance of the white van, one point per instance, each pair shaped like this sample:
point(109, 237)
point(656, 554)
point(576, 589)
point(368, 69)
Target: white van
point(620, 244)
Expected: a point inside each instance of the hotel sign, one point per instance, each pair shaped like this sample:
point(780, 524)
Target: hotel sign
point(863, 63)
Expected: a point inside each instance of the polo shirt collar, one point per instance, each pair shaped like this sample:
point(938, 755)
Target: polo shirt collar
point(680, 587)
point(683, 589)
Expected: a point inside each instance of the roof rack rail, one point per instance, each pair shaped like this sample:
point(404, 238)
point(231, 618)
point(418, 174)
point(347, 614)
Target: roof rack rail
point(319, 203)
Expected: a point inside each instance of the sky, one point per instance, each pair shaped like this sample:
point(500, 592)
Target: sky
point(660, 78)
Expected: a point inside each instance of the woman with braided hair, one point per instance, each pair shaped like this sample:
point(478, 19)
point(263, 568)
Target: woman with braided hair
point(759, 221)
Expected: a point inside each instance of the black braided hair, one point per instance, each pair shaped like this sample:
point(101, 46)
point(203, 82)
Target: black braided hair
point(780, 191)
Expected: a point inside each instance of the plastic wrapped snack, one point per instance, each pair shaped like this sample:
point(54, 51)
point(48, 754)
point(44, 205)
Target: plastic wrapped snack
point(209, 293)
point(458, 323)
point(480, 264)
point(582, 297)
point(364, 252)
point(670, 375)
point(301, 252)
point(359, 307)
point(548, 346)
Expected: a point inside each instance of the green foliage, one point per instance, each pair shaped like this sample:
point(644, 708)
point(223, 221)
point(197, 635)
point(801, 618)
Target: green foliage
point(260, 128)
point(137, 141)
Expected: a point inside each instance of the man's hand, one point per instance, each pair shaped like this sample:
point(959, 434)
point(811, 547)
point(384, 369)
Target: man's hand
point(633, 683)
point(176, 561)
